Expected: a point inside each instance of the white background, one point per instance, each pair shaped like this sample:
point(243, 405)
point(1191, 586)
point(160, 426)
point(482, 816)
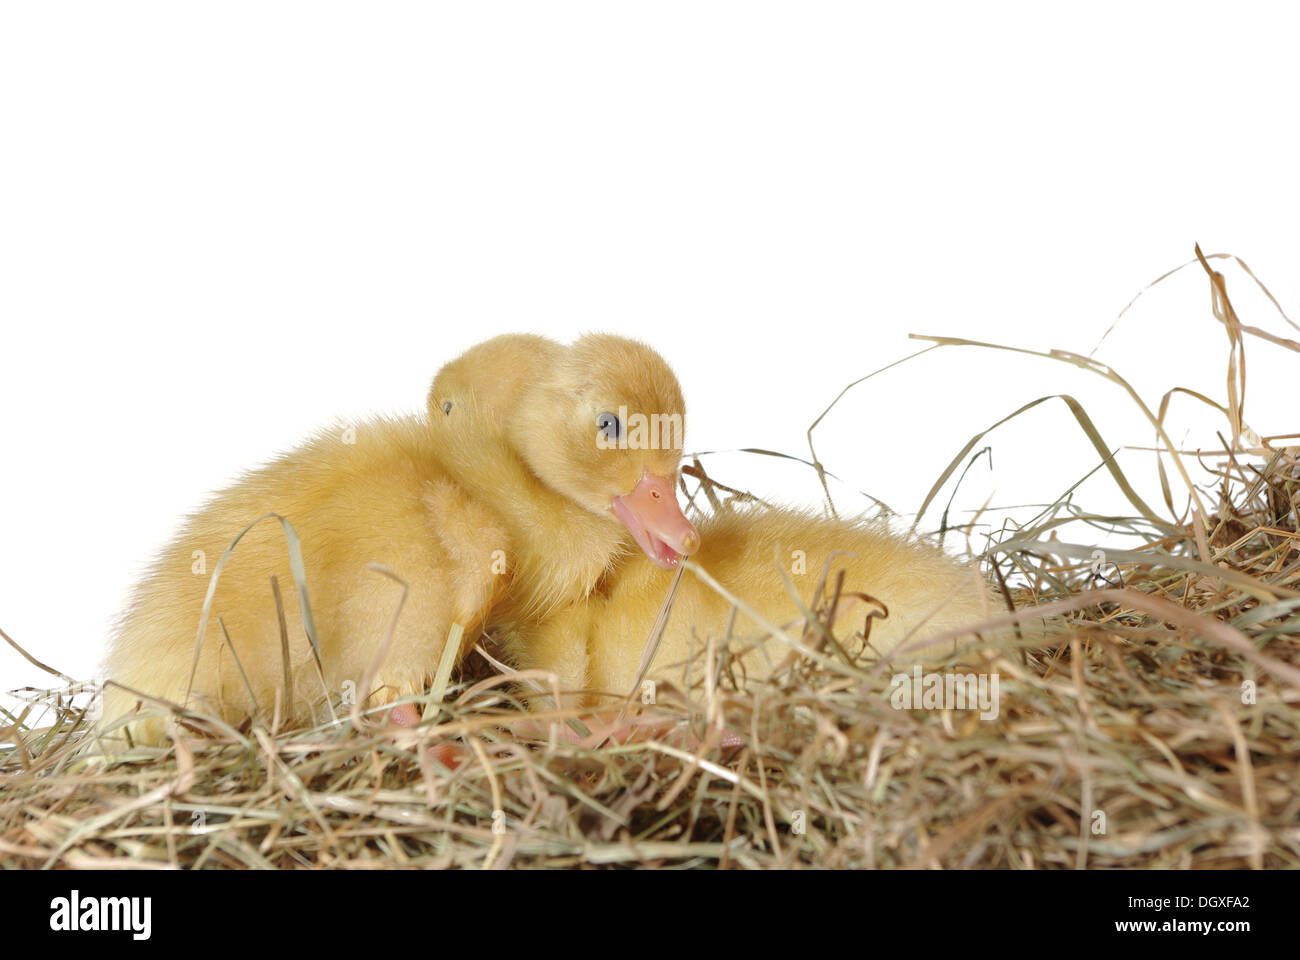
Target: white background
point(223, 225)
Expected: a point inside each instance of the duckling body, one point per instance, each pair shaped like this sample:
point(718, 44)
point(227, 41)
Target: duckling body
point(376, 493)
point(904, 590)
point(507, 516)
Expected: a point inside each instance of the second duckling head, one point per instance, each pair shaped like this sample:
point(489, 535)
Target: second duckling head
point(600, 421)
point(491, 377)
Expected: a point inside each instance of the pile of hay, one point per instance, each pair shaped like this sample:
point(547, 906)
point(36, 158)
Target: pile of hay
point(1146, 718)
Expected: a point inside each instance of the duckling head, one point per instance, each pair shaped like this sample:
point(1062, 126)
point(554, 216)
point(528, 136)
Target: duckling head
point(603, 425)
point(491, 377)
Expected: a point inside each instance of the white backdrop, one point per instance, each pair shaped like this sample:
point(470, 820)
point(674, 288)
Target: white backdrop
point(223, 225)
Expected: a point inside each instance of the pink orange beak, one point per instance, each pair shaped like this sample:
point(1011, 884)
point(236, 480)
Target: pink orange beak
point(651, 514)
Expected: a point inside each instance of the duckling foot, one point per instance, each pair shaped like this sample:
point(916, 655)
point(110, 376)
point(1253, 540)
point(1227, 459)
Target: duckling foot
point(449, 753)
point(404, 715)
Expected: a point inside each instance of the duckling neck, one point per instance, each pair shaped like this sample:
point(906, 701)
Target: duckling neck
point(559, 550)
point(559, 558)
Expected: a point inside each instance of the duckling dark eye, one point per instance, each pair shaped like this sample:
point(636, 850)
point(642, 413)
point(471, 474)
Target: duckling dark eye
point(608, 425)
point(446, 407)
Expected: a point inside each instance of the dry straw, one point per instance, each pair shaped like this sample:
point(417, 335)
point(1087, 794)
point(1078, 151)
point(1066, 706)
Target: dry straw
point(1148, 721)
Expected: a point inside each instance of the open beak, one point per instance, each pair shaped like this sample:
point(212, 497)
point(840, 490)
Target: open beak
point(651, 514)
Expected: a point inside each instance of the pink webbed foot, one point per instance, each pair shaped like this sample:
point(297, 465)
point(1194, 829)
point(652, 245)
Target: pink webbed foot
point(404, 715)
point(447, 752)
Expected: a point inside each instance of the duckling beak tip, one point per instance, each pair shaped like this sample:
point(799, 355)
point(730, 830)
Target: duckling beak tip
point(690, 542)
point(651, 514)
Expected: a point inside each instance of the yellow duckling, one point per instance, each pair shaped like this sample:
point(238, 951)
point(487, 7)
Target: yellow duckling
point(894, 591)
point(903, 590)
point(466, 525)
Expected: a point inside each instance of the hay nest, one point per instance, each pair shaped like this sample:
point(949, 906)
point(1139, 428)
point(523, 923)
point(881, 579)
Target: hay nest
point(1146, 718)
